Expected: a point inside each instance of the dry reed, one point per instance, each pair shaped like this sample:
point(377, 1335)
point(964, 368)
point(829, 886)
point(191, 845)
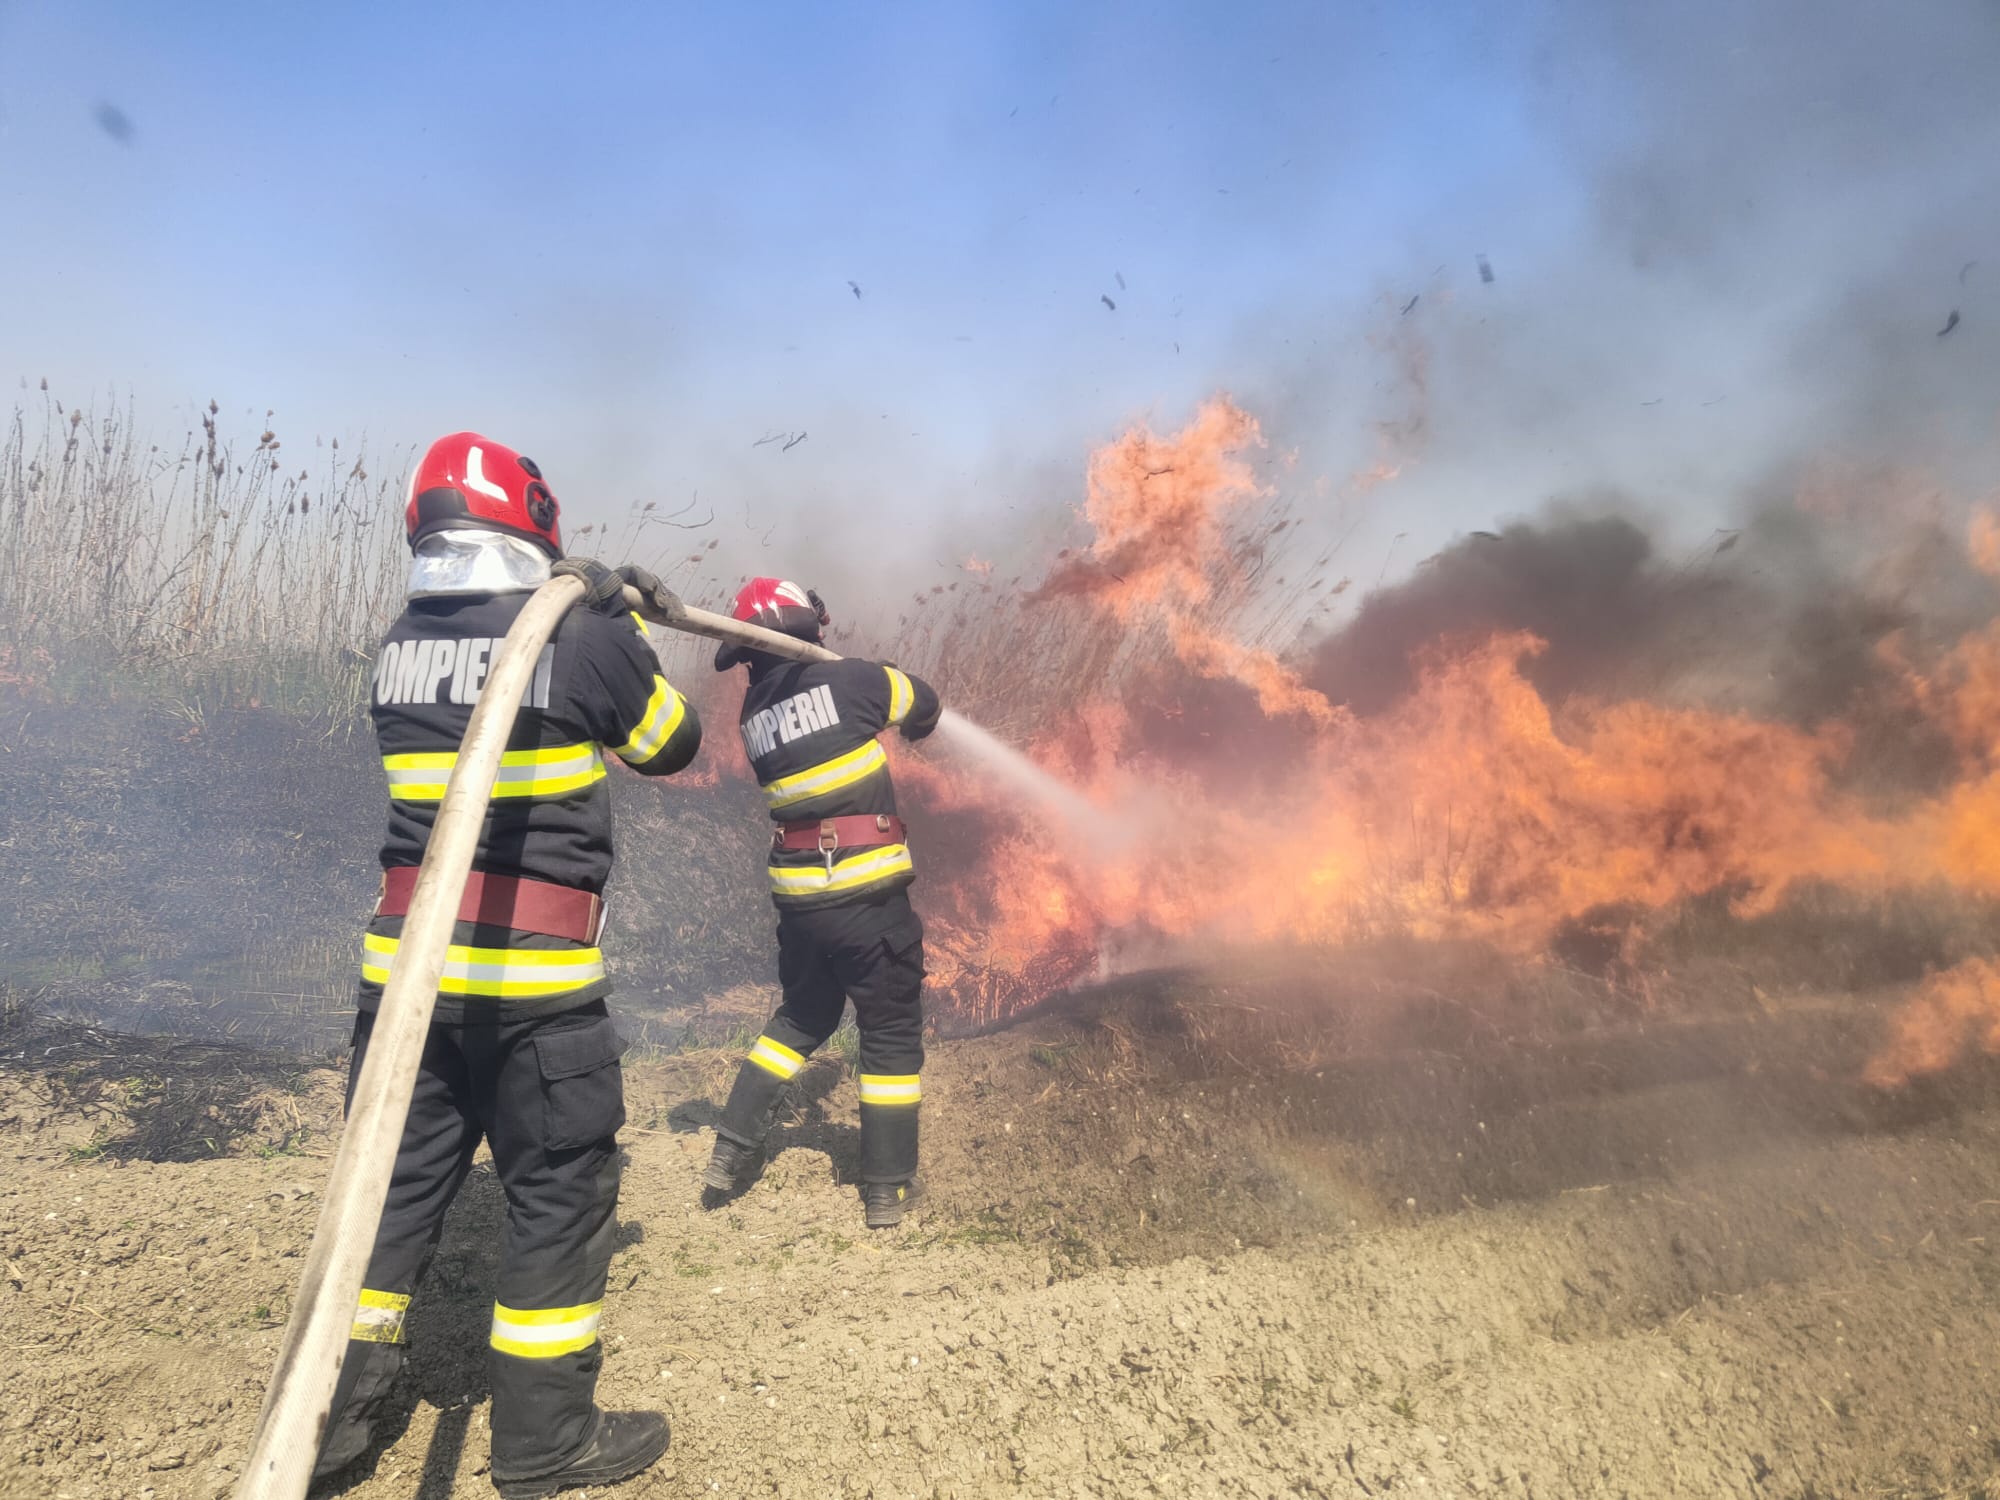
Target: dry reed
point(211, 566)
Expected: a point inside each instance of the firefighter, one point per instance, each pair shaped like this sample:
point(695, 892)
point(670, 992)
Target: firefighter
point(521, 1052)
point(839, 870)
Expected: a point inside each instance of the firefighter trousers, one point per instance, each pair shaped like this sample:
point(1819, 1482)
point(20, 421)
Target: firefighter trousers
point(870, 952)
point(548, 1095)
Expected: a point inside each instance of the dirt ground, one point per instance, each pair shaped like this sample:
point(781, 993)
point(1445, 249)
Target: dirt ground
point(1187, 1243)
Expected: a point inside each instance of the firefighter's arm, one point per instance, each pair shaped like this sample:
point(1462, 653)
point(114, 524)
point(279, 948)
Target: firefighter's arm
point(640, 716)
point(913, 703)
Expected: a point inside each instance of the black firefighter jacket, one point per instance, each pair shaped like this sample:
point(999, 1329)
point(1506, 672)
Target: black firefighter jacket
point(597, 687)
point(810, 731)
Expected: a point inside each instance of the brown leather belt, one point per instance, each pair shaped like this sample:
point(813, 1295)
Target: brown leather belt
point(824, 835)
point(507, 901)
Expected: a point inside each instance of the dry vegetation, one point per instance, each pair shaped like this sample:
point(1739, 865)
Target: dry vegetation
point(186, 632)
point(212, 569)
point(219, 569)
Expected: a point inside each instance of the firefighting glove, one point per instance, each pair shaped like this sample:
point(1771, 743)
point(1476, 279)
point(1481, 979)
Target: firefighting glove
point(603, 590)
point(657, 597)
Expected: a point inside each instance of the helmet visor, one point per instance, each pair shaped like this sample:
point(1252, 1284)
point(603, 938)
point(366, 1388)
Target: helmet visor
point(476, 562)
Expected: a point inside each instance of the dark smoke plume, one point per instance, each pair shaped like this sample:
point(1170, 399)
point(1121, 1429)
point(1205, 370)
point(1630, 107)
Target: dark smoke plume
point(1589, 586)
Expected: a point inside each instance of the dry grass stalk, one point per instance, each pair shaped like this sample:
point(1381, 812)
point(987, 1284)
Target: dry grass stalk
point(213, 567)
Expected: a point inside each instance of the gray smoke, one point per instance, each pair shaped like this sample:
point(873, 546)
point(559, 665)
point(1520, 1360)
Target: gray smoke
point(1759, 223)
point(1809, 190)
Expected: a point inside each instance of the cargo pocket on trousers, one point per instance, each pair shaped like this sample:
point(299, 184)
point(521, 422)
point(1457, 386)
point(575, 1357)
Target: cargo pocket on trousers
point(905, 945)
point(583, 1089)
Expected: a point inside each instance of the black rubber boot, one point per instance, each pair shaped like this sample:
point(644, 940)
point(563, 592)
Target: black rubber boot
point(887, 1202)
point(625, 1443)
point(729, 1165)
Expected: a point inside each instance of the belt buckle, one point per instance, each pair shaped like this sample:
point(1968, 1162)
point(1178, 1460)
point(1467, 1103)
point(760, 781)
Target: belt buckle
point(829, 840)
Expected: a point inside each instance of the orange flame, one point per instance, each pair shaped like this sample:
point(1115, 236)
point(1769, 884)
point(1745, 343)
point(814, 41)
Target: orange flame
point(1463, 812)
point(1949, 1012)
point(1278, 688)
point(1470, 808)
point(1158, 505)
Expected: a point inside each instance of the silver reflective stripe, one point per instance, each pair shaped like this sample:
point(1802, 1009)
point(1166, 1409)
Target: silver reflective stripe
point(577, 760)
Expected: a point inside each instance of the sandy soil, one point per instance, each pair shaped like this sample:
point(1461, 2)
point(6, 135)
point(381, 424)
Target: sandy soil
point(1176, 1247)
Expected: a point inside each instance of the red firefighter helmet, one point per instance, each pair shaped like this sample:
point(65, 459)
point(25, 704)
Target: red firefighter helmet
point(779, 605)
point(469, 481)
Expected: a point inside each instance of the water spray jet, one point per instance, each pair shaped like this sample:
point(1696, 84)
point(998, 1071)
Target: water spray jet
point(1068, 811)
point(1071, 813)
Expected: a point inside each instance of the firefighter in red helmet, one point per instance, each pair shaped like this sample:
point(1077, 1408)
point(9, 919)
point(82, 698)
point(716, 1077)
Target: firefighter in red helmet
point(521, 1052)
point(839, 871)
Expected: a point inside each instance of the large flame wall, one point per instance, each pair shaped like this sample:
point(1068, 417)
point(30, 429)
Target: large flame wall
point(1506, 781)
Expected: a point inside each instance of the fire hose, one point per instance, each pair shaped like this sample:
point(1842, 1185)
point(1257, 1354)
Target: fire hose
point(298, 1401)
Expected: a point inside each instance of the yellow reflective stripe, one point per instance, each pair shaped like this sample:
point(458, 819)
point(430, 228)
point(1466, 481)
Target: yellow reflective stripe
point(378, 1317)
point(890, 1088)
point(494, 973)
point(544, 1317)
point(664, 712)
point(811, 880)
point(776, 1057)
point(545, 1332)
point(827, 776)
point(640, 623)
point(547, 772)
point(902, 697)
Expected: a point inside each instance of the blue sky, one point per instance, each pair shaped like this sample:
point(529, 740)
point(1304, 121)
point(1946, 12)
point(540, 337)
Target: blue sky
point(621, 238)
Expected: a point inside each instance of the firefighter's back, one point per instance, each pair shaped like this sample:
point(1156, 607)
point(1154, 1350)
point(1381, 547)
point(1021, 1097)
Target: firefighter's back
point(811, 731)
point(838, 872)
point(522, 1054)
